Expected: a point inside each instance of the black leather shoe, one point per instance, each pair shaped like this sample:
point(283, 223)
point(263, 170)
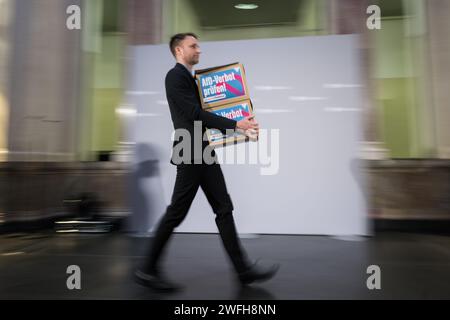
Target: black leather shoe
point(257, 274)
point(155, 281)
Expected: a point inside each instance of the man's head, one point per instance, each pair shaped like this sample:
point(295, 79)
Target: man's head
point(185, 48)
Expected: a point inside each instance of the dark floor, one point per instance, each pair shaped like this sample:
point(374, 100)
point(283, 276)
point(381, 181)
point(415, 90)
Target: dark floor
point(413, 266)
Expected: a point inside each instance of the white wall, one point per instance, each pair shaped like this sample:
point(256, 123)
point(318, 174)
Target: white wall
point(309, 89)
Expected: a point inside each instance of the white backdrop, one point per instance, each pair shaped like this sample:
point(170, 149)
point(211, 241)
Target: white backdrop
point(308, 88)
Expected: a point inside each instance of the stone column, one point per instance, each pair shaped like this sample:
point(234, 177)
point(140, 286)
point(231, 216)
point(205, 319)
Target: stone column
point(350, 17)
point(44, 82)
point(438, 23)
point(5, 19)
point(144, 21)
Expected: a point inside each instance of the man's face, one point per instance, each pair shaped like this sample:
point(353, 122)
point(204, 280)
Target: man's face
point(189, 51)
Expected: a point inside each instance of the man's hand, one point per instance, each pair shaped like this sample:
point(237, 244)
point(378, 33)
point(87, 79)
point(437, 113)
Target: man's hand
point(248, 123)
point(249, 127)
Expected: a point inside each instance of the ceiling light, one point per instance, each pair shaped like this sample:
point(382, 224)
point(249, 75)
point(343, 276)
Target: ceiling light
point(246, 6)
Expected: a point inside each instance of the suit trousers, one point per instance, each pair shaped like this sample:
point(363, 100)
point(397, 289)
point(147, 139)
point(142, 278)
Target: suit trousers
point(189, 178)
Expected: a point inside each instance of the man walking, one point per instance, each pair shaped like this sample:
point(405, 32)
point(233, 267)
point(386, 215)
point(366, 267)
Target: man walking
point(194, 172)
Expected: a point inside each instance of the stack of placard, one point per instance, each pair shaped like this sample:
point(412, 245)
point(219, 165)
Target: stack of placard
point(223, 91)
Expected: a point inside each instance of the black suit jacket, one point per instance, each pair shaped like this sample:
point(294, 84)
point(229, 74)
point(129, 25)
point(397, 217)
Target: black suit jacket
point(185, 108)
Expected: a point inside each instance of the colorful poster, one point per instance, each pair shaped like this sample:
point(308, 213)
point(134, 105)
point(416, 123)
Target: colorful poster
point(222, 85)
point(223, 91)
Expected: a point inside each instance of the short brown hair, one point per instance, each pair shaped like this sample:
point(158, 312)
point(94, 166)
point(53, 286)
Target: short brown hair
point(176, 40)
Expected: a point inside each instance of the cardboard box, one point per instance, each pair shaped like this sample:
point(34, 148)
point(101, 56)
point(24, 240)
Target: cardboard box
point(222, 85)
point(236, 111)
point(223, 91)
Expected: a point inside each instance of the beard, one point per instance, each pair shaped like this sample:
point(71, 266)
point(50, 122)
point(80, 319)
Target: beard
point(194, 60)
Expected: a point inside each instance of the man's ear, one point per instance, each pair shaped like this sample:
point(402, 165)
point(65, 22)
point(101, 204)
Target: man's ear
point(178, 50)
